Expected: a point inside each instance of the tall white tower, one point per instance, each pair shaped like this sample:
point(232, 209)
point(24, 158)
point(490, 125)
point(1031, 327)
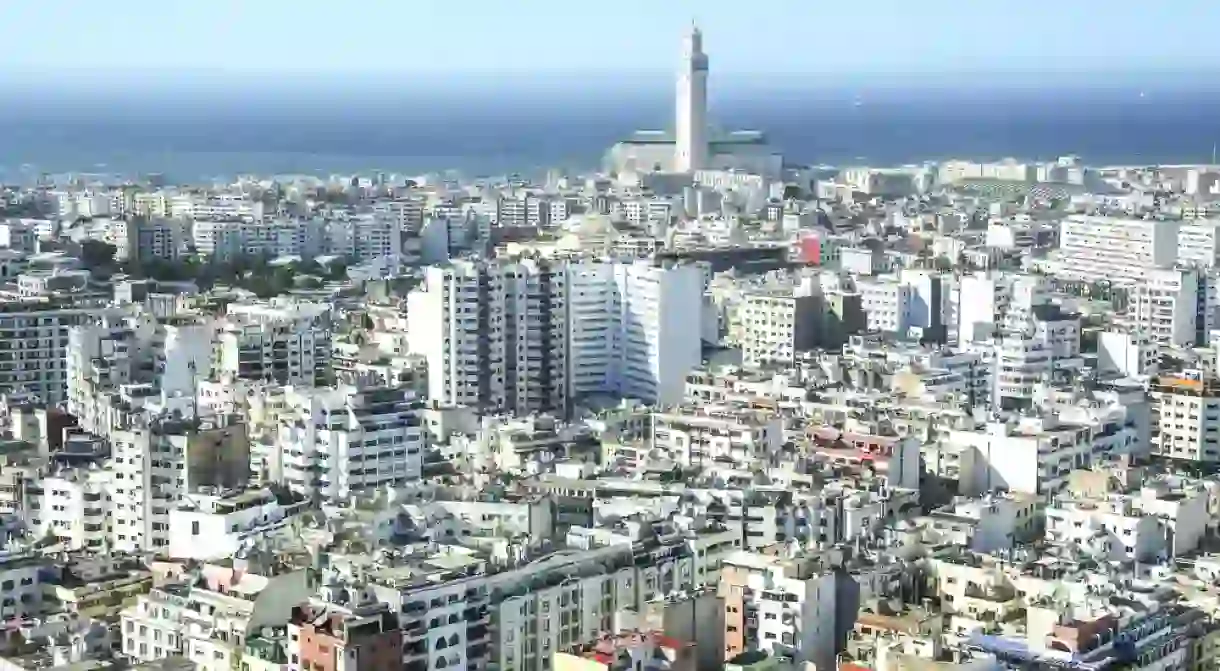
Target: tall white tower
point(690, 136)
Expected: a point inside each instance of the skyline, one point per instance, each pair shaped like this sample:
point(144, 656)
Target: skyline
point(143, 41)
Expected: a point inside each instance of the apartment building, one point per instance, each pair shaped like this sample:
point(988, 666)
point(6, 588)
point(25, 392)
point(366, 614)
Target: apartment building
point(696, 436)
point(986, 302)
point(785, 607)
point(493, 334)
point(519, 617)
point(776, 326)
point(1162, 519)
point(1120, 250)
point(532, 336)
point(333, 442)
point(212, 526)
point(1168, 306)
point(279, 341)
point(23, 579)
point(34, 346)
point(887, 304)
point(1026, 358)
point(1029, 455)
point(70, 505)
point(634, 329)
point(642, 650)
point(1199, 243)
point(156, 460)
point(344, 634)
point(112, 361)
point(209, 619)
point(1186, 417)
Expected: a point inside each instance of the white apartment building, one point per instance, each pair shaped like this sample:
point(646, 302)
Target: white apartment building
point(228, 239)
point(222, 205)
point(887, 305)
point(537, 607)
point(1186, 417)
point(1031, 455)
point(1130, 352)
point(1199, 243)
point(217, 526)
point(493, 334)
point(1120, 250)
point(1165, 305)
point(281, 341)
point(776, 326)
point(18, 236)
point(532, 336)
point(703, 435)
point(21, 585)
point(987, 301)
point(210, 624)
point(34, 346)
point(71, 506)
point(149, 239)
point(634, 329)
point(334, 442)
point(155, 461)
point(365, 237)
point(108, 354)
point(779, 606)
point(1162, 519)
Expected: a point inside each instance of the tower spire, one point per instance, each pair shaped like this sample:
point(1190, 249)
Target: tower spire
point(690, 132)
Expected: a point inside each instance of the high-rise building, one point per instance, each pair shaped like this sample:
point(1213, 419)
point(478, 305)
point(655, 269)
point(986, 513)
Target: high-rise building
point(531, 335)
point(691, 128)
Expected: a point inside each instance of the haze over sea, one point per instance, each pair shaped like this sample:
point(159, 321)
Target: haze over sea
point(497, 128)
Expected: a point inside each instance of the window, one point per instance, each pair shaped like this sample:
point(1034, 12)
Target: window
point(195, 528)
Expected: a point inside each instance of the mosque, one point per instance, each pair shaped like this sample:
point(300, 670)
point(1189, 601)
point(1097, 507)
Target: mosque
point(692, 145)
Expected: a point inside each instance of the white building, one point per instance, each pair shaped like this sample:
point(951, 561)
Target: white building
point(532, 336)
point(1188, 412)
point(1093, 248)
point(634, 329)
point(285, 342)
point(34, 346)
point(217, 526)
point(1165, 305)
point(334, 442)
point(692, 146)
point(210, 623)
point(1199, 243)
point(781, 607)
point(887, 305)
point(776, 326)
point(700, 436)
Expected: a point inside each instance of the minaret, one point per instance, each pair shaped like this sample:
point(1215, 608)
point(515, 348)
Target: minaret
point(690, 136)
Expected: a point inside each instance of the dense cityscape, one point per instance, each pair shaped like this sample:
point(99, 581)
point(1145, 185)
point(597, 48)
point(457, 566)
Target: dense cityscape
point(700, 409)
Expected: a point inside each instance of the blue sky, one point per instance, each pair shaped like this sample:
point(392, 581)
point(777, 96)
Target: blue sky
point(782, 38)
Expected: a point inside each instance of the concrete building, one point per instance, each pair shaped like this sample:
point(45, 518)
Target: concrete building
point(356, 634)
point(34, 346)
point(776, 326)
point(1187, 408)
point(1093, 248)
point(209, 621)
point(215, 526)
point(334, 442)
point(532, 336)
point(283, 342)
point(783, 607)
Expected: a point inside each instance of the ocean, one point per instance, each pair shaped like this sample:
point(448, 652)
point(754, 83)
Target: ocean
point(197, 140)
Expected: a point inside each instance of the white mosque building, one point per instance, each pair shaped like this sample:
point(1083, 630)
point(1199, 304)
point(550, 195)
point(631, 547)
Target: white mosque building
point(693, 145)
